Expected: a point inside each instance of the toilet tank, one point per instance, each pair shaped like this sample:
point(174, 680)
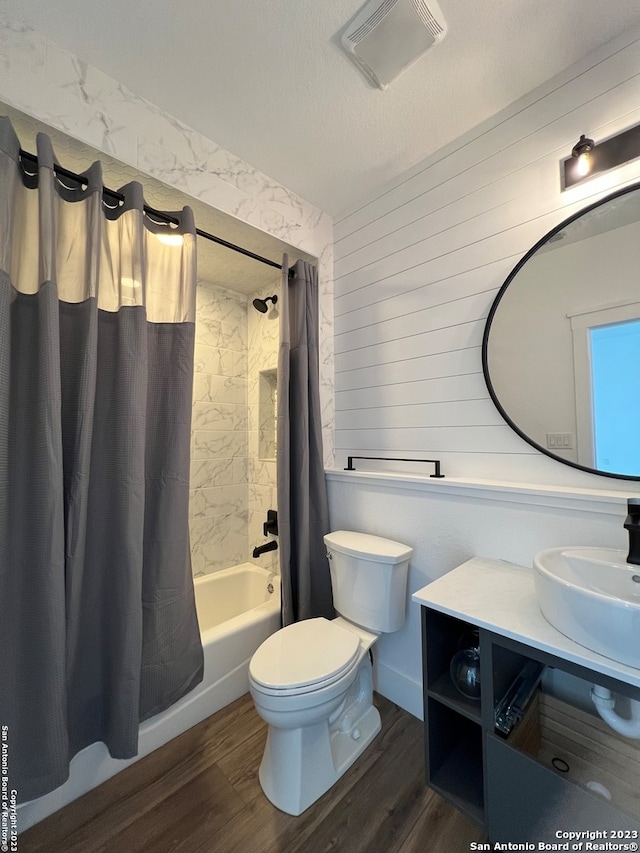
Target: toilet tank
point(369, 579)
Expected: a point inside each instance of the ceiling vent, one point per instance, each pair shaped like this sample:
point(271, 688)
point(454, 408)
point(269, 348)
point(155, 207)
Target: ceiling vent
point(387, 36)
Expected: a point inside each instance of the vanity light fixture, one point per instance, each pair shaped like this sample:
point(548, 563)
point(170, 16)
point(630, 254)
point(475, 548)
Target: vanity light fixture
point(588, 159)
point(582, 151)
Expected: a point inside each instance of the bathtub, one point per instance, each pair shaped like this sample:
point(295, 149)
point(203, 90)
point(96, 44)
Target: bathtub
point(238, 609)
point(236, 613)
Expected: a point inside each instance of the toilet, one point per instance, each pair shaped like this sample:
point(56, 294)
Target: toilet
point(312, 681)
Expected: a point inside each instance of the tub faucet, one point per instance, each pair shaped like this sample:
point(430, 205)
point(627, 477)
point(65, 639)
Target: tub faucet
point(262, 549)
point(632, 524)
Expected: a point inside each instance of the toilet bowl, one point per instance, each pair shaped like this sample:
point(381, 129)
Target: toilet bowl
point(312, 682)
point(318, 723)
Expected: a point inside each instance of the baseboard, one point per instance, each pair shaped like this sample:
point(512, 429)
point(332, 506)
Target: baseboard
point(399, 688)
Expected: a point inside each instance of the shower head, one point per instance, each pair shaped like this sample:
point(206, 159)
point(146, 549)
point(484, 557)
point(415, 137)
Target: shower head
point(261, 304)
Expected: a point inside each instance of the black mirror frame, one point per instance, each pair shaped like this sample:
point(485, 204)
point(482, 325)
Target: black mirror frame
point(494, 308)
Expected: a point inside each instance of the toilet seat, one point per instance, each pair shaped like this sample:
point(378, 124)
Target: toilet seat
point(304, 657)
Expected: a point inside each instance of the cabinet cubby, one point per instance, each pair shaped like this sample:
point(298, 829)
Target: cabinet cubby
point(506, 665)
point(445, 637)
point(455, 759)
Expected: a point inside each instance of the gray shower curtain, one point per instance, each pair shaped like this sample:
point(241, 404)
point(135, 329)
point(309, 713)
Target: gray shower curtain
point(303, 515)
point(98, 628)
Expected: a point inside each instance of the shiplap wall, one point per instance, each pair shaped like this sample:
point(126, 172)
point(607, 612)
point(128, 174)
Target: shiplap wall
point(417, 268)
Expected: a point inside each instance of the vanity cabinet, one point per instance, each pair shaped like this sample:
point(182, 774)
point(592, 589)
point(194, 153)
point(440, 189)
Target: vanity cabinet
point(529, 783)
point(544, 770)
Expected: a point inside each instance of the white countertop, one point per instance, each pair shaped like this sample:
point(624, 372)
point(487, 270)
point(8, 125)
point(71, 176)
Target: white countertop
point(500, 597)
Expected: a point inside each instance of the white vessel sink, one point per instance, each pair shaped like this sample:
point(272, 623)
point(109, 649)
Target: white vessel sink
point(592, 596)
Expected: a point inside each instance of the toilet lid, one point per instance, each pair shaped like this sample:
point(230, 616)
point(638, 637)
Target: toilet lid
point(302, 654)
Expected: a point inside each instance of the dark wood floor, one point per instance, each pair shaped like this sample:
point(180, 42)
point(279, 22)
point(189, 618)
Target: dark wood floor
point(200, 794)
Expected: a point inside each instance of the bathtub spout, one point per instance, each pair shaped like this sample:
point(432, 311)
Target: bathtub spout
point(262, 549)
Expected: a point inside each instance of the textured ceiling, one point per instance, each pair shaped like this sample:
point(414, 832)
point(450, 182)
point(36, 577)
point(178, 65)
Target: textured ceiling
point(267, 80)
point(216, 264)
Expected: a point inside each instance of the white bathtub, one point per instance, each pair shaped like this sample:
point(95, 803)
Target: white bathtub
point(236, 613)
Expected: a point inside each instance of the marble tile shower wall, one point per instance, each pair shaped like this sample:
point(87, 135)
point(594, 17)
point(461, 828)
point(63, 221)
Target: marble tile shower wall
point(218, 506)
point(264, 331)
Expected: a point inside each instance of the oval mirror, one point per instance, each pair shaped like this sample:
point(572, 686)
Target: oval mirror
point(561, 347)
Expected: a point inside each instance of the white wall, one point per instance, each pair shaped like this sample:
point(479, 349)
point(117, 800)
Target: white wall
point(416, 271)
point(417, 268)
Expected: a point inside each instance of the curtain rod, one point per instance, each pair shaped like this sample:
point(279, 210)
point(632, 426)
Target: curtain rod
point(157, 214)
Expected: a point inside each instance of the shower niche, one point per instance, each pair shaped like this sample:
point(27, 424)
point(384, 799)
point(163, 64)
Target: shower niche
point(267, 413)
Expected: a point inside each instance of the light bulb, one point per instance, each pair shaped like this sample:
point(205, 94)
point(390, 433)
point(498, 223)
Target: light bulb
point(583, 166)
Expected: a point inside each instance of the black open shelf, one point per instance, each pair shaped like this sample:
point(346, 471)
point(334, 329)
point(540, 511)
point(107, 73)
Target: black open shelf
point(445, 691)
point(454, 757)
point(459, 777)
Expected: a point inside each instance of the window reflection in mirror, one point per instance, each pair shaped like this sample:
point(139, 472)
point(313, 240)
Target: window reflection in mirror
point(614, 352)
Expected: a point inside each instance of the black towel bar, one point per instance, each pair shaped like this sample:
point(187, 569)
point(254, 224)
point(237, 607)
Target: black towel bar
point(434, 462)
